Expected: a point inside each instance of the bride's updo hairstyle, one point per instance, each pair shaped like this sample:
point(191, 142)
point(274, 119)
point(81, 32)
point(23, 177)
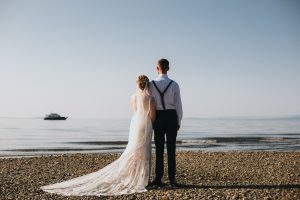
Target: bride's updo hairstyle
point(143, 82)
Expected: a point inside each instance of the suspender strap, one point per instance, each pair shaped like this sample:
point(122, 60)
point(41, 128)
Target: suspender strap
point(162, 93)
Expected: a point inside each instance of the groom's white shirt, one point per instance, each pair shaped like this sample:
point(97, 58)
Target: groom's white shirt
point(171, 97)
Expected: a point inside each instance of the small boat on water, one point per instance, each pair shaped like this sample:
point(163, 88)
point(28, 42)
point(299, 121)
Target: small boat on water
point(54, 116)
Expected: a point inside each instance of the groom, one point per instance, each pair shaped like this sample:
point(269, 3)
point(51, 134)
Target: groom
point(166, 93)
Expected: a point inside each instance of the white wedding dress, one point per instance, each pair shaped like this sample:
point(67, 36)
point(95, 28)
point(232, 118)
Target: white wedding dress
point(129, 173)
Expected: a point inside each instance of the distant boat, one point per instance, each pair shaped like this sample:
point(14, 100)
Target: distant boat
point(54, 116)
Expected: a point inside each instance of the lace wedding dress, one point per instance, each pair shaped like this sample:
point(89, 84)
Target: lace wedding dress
point(129, 173)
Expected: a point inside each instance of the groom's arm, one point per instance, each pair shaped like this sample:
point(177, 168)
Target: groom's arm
point(178, 105)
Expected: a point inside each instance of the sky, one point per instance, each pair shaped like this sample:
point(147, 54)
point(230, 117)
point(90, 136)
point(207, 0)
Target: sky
point(81, 58)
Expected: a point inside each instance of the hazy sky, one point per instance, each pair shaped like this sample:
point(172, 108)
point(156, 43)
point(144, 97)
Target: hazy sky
point(81, 58)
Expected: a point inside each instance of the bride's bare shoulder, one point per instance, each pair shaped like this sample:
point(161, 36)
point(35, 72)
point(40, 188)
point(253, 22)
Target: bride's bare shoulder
point(143, 96)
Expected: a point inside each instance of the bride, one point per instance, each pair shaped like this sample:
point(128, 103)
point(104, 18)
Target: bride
point(130, 172)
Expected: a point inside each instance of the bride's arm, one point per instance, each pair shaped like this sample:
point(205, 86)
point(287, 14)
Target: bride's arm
point(152, 110)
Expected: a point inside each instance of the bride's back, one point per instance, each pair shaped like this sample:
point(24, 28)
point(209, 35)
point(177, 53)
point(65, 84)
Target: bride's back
point(142, 101)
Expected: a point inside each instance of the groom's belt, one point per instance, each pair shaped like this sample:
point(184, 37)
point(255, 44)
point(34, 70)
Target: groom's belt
point(166, 110)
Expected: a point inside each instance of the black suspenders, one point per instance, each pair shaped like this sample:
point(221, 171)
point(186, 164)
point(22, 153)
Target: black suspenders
point(162, 93)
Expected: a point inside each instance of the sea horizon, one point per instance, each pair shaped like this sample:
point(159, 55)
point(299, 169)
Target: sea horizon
point(250, 117)
point(35, 136)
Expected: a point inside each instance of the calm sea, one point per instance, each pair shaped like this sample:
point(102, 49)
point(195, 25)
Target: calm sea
point(28, 137)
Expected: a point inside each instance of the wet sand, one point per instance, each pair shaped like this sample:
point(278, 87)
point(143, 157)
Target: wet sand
point(200, 175)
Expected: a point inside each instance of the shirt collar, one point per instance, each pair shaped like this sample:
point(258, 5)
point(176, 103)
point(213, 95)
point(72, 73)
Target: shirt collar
point(162, 77)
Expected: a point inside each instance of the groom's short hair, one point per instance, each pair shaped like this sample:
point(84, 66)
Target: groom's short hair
point(163, 64)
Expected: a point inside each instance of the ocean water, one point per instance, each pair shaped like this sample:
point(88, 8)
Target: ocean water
point(35, 136)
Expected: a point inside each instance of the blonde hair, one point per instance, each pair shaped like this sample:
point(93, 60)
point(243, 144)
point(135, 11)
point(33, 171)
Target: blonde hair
point(142, 81)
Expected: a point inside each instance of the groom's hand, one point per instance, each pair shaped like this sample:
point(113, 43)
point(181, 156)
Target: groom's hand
point(178, 127)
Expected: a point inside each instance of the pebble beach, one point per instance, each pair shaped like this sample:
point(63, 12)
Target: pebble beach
point(200, 175)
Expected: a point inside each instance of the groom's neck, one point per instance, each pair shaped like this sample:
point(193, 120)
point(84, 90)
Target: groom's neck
point(160, 73)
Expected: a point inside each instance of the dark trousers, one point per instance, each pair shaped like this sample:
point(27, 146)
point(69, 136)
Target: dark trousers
point(166, 123)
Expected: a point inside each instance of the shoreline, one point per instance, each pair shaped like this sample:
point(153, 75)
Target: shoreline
point(285, 143)
point(200, 175)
